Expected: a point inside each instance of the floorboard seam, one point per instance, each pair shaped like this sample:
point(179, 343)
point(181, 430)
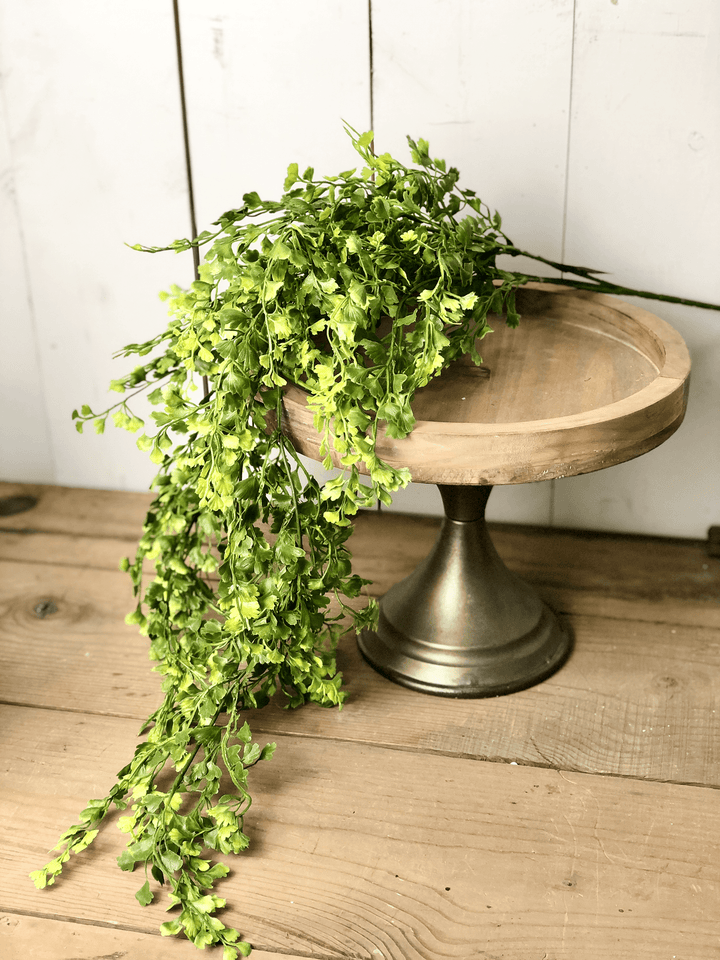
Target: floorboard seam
point(129, 928)
point(72, 534)
point(430, 751)
point(424, 750)
point(73, 710)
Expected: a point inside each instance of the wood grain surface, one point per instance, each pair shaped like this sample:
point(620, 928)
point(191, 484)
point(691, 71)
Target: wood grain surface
point(356, 848)
point(28, 937)
point(584, 383)
point(574, 821)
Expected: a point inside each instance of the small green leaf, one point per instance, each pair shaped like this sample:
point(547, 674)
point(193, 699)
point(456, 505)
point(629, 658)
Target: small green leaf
point(280, 251)
point(292, 175)
point(143, 849)
point(144, 895)
point(39, 878)
point(126, 861)
point(267, 751)
point(170, 861)
point(94, 811)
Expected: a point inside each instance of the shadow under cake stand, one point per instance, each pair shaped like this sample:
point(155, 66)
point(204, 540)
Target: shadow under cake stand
point(585, 382)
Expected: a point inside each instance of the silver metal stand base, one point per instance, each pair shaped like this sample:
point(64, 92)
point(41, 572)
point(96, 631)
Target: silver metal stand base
point(463, 625)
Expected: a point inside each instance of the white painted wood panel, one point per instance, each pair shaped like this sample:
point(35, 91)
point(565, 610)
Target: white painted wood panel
point(94, 128)
point(644, 204)
point(25, 451)
point(269, 84)
point(488, 84)
point(92, 157)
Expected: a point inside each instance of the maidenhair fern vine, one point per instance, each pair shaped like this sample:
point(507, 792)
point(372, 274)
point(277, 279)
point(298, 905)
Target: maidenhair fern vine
point(242, 577)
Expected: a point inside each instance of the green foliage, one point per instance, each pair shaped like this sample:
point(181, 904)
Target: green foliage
point(360, 287)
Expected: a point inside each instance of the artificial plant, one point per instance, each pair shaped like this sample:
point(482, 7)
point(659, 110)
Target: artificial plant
point(251, 582)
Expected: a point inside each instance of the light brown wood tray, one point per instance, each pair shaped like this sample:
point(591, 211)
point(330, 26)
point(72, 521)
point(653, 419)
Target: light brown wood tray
point(585, 382)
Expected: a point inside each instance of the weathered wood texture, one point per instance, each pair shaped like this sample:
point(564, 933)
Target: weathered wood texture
point(21, 381)
point(577, 820)
point(358, 848)
point(29, 937)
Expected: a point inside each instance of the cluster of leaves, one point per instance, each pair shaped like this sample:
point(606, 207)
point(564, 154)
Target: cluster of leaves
point(360, 287)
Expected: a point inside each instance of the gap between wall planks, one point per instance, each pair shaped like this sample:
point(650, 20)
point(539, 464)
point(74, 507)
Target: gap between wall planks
point(94, 161)
point(368, 814)
point(641, 179)
point(488, 85)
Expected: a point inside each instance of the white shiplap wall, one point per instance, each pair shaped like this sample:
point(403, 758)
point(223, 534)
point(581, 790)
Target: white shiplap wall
point(92, 160)
point(644, 204)
point(592, 125)
point(268, 84)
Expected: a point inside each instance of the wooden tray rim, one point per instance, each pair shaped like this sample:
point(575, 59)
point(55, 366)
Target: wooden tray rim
point(671, 377)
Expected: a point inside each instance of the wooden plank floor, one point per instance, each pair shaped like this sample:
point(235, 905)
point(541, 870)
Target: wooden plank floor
point(579, 820)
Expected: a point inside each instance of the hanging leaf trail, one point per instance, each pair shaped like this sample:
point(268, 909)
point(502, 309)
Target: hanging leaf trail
point(247, 548)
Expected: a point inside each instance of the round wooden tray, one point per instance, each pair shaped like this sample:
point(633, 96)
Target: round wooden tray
point(586, 381)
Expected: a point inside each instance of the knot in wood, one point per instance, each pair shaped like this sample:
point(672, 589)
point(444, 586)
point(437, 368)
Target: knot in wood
point(9, 506)
point(44, 608)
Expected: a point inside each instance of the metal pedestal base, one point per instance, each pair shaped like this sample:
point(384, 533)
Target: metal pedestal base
point(462, 625)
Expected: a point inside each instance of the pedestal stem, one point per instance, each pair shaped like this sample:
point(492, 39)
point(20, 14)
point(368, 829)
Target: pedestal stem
point(463, 625)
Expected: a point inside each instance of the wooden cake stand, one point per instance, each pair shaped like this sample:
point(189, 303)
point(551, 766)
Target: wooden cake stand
point(586, 381)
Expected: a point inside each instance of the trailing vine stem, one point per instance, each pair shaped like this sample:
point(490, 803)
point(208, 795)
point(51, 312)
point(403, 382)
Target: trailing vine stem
point(600, 286)
point(243, 547)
